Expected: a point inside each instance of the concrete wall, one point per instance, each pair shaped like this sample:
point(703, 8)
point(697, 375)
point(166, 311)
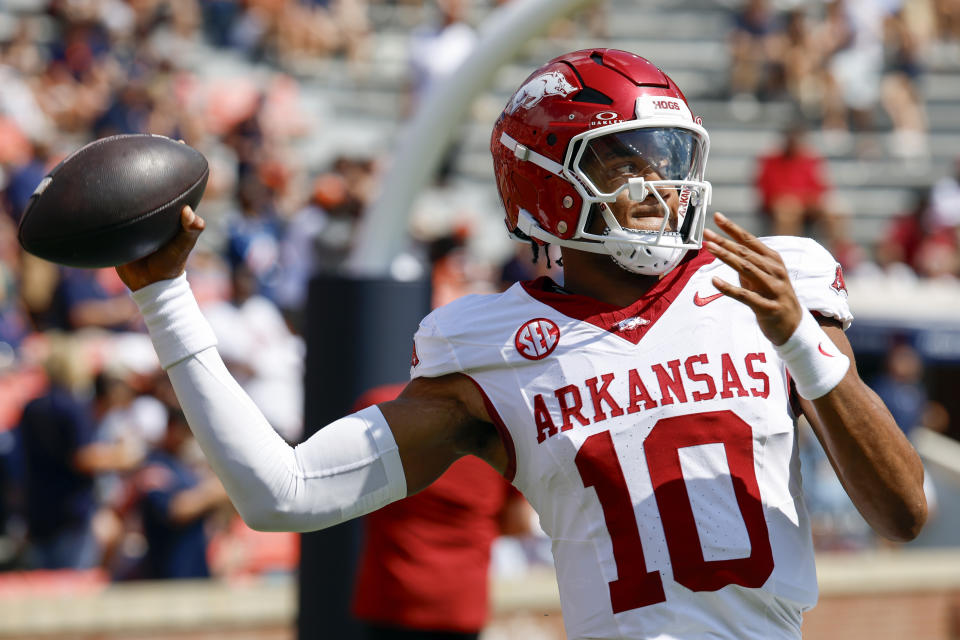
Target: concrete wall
point(895, 595)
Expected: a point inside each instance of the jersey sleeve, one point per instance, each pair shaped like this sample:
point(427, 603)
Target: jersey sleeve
point(433, 352)
point(816, 275)
point(464, 336)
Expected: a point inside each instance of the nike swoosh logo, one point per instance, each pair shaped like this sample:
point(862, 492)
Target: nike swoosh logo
point(820, 347)
point(697, 300)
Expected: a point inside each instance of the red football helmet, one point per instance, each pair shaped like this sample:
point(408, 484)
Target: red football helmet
point(590, 126)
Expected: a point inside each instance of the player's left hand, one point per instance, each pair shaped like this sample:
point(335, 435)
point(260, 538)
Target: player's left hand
point(764, 283)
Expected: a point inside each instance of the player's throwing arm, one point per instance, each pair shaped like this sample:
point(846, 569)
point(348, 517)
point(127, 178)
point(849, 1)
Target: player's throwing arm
point(349, 468)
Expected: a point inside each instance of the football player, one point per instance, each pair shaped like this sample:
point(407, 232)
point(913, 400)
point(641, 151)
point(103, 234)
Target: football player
point(646, 408)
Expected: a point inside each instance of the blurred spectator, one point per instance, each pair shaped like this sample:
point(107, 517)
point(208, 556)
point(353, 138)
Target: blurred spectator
point(175, 503)
point(837, 239)
point(22, 60)
point(438, 49)
point(252, 27)
point(353, 26)
point(904, 237)
point(454, 273)
point(10, 540)
point(914, 240)
point(319, 236)
point(261, 352)
point(38, 285)
point(945, 200)
point(791, 185)
point(14, 321)
point(14, 146)
point(436, 52)
point(219, 17)
point(947, 19)
point(802, 63)
point(24, 179)
point(852, 39)
point(70, 101)
point(317, 239)
point(835, 523)
point(361, 176)
point(129, 111)
point(293, 33)
point(61, 460)
point(836, 68)
point(901, 387)
point(303, 248)
point(425, 563)
point(127, 417)
point(231, 109)
point(755, 46)
point(93, 298)
point(901, 95)
point(254, 236)
point(938, 257)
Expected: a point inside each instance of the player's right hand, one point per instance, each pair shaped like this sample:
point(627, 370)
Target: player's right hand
point(170, 260)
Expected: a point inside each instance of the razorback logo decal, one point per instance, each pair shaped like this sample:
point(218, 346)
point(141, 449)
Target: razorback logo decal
point(838, 284)
point(414, 360)
point(547, 84)
point(537, 338)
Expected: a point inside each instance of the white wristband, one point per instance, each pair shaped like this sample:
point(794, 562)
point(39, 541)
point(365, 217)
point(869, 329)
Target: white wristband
point(173, 318)
point(814, 362)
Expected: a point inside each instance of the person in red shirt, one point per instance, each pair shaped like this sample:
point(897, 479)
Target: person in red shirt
point(425, 560)
point(791, 185)
point(913, 239)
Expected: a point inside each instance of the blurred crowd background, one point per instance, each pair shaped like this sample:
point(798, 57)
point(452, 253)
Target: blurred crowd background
point(831, 124)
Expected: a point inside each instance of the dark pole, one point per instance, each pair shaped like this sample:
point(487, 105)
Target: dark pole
point(359, 335)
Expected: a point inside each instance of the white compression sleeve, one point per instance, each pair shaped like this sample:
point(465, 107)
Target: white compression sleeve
point(347, 469)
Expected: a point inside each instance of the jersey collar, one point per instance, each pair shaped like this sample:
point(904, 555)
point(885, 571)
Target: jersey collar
point(647, 309)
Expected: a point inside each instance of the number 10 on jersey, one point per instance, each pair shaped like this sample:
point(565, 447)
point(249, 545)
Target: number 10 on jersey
point(600, 468)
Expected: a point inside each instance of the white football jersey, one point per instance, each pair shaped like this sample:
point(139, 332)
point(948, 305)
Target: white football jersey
point(657, 443)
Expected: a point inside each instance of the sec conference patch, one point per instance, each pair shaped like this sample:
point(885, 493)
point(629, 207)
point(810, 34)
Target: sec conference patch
point(537, 338)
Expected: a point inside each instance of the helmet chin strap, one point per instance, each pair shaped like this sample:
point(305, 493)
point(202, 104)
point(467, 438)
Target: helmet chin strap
point(644, 260)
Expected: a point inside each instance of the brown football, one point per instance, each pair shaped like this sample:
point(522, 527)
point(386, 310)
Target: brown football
point(113, 201)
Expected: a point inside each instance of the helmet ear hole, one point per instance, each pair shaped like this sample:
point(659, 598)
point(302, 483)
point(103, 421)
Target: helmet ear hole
point(592, 217)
